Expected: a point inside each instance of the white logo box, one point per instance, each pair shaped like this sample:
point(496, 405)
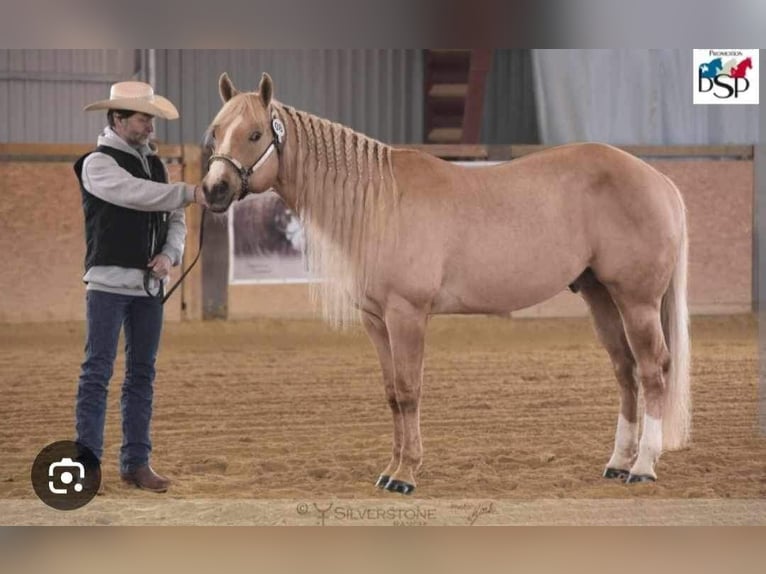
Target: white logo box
point(722, 76)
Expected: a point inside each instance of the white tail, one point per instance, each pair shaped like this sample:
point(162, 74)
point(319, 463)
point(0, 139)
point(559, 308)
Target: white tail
point(676, 418)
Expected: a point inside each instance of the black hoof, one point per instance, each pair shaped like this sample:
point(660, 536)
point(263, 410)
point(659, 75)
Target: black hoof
point(382, 481)
point(616, 473)
point(399, 486)
point(639, 478)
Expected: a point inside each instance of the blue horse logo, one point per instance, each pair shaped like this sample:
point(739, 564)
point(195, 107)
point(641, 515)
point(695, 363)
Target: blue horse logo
point(711, 68)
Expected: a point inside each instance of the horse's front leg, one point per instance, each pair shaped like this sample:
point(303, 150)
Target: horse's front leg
point(378, 334)
point(406, 329)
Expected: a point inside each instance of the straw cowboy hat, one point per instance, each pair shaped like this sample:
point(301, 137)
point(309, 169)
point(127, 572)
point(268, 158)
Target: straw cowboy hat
point(136, 97)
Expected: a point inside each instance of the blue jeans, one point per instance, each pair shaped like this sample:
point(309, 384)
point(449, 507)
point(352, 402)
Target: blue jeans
point(142, 319)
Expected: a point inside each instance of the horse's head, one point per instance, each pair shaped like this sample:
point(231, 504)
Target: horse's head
point(245, 136)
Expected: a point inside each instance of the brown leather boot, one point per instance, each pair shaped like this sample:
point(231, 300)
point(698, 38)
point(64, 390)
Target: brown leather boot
point(144, 477)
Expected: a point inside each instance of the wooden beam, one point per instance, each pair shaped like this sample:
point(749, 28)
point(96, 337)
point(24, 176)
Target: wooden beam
point(508, 152)
point(66, 152)
point(481, 62)
point(191, 288)
point(733, 151)
point(461, 151)
point(719, 151)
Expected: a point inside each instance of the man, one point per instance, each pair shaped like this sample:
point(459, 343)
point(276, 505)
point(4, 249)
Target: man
point(135, 231)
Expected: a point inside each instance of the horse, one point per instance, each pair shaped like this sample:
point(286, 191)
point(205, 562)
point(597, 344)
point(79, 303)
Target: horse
point(727, 67)
point(399, 235)
point(711, 69)
point(740, 70)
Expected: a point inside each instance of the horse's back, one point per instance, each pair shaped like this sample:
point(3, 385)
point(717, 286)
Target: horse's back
point(498, 238)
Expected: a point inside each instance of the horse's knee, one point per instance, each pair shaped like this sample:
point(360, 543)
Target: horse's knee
point(407, 396)
point(391, 397)
point(408, 403)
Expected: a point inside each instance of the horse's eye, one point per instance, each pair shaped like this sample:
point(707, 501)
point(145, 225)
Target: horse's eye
point(255, 136)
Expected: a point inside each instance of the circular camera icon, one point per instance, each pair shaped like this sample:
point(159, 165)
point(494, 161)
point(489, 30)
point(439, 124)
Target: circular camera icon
point(66, 475)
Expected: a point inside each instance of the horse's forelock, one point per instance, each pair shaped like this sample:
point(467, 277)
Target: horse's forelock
point(245, 104)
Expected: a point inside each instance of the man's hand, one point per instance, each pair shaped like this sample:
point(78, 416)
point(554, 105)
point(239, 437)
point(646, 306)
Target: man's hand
point(199, 196)
point(160, 265)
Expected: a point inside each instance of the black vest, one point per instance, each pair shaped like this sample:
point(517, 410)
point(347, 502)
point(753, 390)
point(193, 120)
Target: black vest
point(117, 235)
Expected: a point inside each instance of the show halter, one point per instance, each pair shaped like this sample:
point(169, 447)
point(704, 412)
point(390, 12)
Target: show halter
point(278, 137)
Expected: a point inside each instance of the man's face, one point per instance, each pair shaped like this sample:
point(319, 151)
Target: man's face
point(136, 129)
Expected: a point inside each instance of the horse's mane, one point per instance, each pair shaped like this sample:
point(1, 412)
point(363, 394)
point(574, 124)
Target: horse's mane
point(345, 193)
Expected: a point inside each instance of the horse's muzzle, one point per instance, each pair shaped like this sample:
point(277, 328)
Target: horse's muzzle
point(219, 197)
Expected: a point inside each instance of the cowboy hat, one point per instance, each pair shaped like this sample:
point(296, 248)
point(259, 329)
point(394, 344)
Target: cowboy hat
point(136, 97)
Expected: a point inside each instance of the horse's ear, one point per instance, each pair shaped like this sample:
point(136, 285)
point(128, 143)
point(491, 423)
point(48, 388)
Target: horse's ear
point(266, 89)
point(226, 88)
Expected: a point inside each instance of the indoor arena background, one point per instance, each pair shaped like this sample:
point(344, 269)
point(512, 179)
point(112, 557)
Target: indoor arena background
point(260, 408)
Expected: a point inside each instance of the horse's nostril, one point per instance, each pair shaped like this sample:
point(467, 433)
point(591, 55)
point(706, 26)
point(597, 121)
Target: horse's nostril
point(220, 190)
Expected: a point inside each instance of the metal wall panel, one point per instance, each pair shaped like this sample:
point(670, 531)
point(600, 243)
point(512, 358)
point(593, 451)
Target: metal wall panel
point(510, 112)
point(42, 92)
point(377, 92)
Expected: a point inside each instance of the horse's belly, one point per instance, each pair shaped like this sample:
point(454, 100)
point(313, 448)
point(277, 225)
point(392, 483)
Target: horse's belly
point(497, 287)
point(468, 298)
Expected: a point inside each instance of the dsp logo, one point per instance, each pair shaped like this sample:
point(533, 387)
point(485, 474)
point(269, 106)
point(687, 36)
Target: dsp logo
point(725, 76)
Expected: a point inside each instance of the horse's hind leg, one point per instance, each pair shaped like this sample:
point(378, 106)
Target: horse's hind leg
point(643, 328)
point(378, 334)
point(611, 333)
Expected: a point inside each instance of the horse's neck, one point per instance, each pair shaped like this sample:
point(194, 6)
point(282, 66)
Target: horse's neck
point(286, 185)
point(298, 152)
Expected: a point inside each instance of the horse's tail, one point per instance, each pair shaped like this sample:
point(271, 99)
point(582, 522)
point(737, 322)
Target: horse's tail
point(676, 419)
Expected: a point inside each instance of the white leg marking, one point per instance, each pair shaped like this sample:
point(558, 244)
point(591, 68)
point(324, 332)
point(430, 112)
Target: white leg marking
point(650, 448)
point(625, 444)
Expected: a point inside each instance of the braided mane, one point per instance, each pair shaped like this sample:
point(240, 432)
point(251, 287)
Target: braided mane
point(345, 193)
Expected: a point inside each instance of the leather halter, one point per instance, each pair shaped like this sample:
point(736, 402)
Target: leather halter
point(278, 137)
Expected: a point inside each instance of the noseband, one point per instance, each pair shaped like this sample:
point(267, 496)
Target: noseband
point(278, 136)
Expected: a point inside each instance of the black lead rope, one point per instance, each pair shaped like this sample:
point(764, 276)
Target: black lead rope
point(161, 291)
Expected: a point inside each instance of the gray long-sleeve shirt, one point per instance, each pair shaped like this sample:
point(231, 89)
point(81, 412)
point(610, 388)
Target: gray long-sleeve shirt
point(104, 178)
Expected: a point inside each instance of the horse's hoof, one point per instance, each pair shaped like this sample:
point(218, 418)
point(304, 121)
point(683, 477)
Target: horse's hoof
point(399, 486)
point(616, 473)
point(382, 481)
point(639, 478)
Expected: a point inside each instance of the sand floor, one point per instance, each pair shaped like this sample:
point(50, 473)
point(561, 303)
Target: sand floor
point(254, 419)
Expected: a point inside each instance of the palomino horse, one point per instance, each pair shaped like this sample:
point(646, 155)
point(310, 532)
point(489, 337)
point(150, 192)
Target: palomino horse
point(399, 235)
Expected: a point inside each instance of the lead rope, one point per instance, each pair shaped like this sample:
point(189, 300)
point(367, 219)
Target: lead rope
point(166, 296)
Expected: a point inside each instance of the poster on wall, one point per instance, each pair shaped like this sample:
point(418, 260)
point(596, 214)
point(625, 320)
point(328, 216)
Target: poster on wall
point(266, 242)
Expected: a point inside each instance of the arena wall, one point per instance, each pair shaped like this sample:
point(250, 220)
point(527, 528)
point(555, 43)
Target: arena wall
point(42, 234)
point(41, 238)
point(719, 204)
point(719, 201)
